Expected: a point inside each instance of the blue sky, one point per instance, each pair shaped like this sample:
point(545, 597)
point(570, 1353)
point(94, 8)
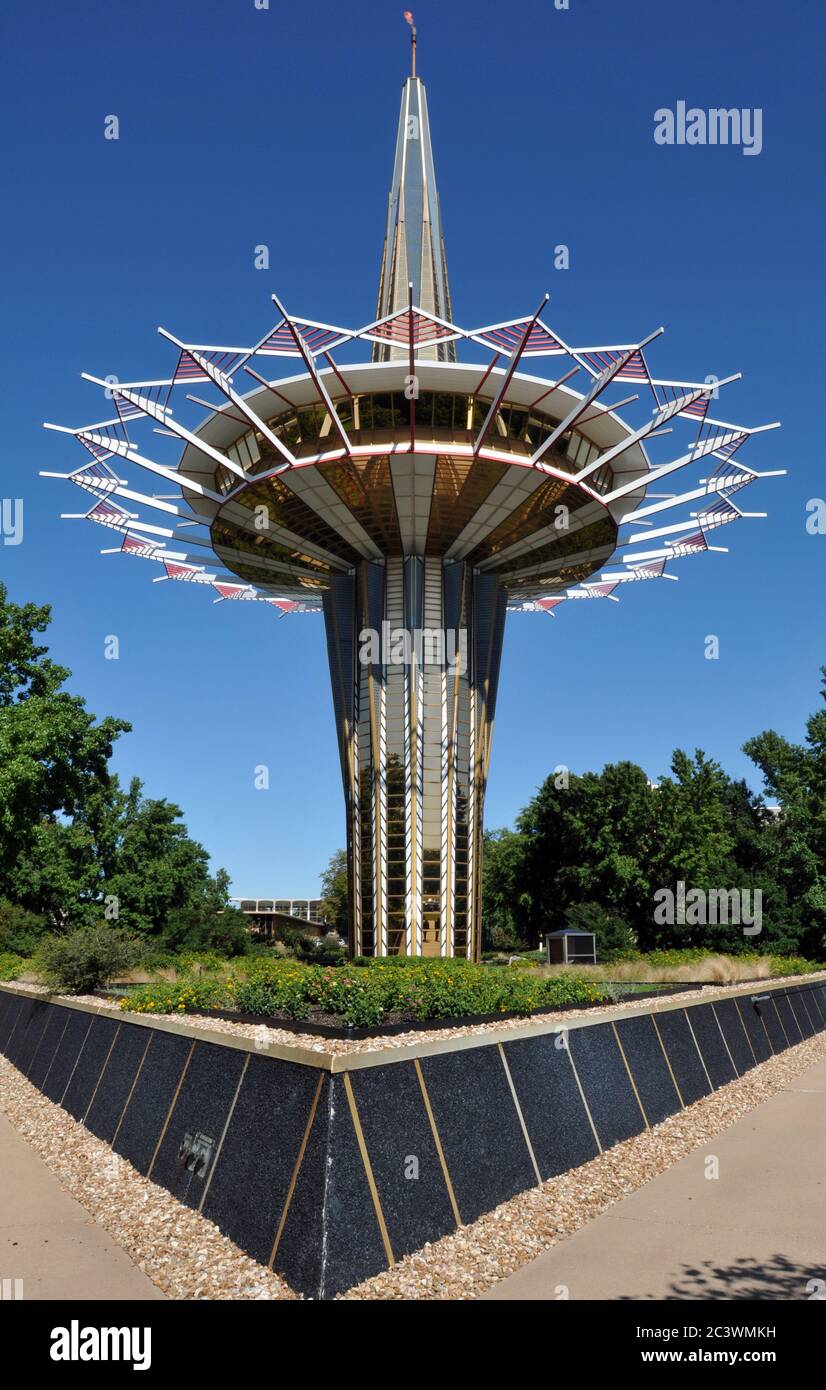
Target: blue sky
point(242, 126)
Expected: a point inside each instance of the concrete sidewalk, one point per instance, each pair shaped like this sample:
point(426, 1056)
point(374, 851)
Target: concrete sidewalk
point(49, 1242)
point(758, 1231)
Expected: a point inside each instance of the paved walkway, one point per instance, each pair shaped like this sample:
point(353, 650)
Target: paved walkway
point(49, 1242)
point(755, 1232)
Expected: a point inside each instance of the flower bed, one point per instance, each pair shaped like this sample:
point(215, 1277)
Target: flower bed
point(367, 994)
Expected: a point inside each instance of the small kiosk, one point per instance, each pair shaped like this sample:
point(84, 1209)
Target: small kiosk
point(571, 947)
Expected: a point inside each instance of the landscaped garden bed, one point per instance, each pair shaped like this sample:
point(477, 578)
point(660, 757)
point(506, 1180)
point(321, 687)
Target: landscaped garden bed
point(323, 1024)
point(396, 995)
point(393, 992)
point(388, 996)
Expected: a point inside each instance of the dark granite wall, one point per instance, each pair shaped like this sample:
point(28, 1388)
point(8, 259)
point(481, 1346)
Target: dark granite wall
point(330, 1178)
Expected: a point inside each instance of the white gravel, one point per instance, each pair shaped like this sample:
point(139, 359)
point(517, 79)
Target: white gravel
point(184, 1254)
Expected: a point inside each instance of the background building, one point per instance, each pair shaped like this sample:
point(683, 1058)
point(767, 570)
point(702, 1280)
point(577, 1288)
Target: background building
point(268, 916)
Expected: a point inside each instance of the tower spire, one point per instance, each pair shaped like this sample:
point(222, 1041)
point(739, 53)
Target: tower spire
point(414, 249)
point(409, 17)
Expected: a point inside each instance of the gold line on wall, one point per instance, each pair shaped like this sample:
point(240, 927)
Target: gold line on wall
point(734, 1066)
point(54, 1054)
point(582, 1097)
point(780, 1021)
point(296, 1170)
point(437, 1141)
point(668, 1062)
point(766, 1031)
point(630, 1075)
point(77, 1059)
point(368, 1169)
point(42, 1036)
point(801, 998)
point(131, 1089)
point(174, 1102)
point(102, 1070)
point(812, 993)
point(230, 1114)
point(699, 1053)
point(520, 1115)
point(745, 1030)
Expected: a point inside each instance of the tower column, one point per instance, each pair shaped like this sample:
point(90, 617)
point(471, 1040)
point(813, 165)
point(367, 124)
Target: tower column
point(414, 646)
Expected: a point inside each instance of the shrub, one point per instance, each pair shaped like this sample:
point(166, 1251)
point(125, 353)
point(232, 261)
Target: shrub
point(314, 950)
point(20, 930)
point(363, 995)
point(11, 966)
point(199, 962)
point(359, 1000)
point(276, 987)
point(225, 932)
point(614, 938)
point(793, 965)
point(194, 992)
point(80, 961)
point(666, 960)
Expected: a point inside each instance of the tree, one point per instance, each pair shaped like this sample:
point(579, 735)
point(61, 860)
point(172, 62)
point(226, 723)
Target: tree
point(588, 839)
point(20, 930)
point(54, 756)
point(796, 776)
point(614, 938)
point(506, 903)
point(692, 843)
point(335, 894)
point(75, 847)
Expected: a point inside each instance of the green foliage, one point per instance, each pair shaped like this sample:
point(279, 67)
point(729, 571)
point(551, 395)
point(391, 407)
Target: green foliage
point(796, 775)
point(352, 995)
point(80, 961)
point(11, 966)
point(364, 994)
point(20, 930)
point(76, 846)
point(73, 843)
point(206, 923)
point(314, 950)
point(614, 938)
point(673, 959)
point(793, 965)
point(277, 987)
point(335, 894)
point(325, 950)
point(506, 902)
point(55, 784)
point(190, 992)
point(587, 839)
point(610, 840)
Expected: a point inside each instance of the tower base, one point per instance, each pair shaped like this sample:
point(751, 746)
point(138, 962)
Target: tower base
point(414, 647)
